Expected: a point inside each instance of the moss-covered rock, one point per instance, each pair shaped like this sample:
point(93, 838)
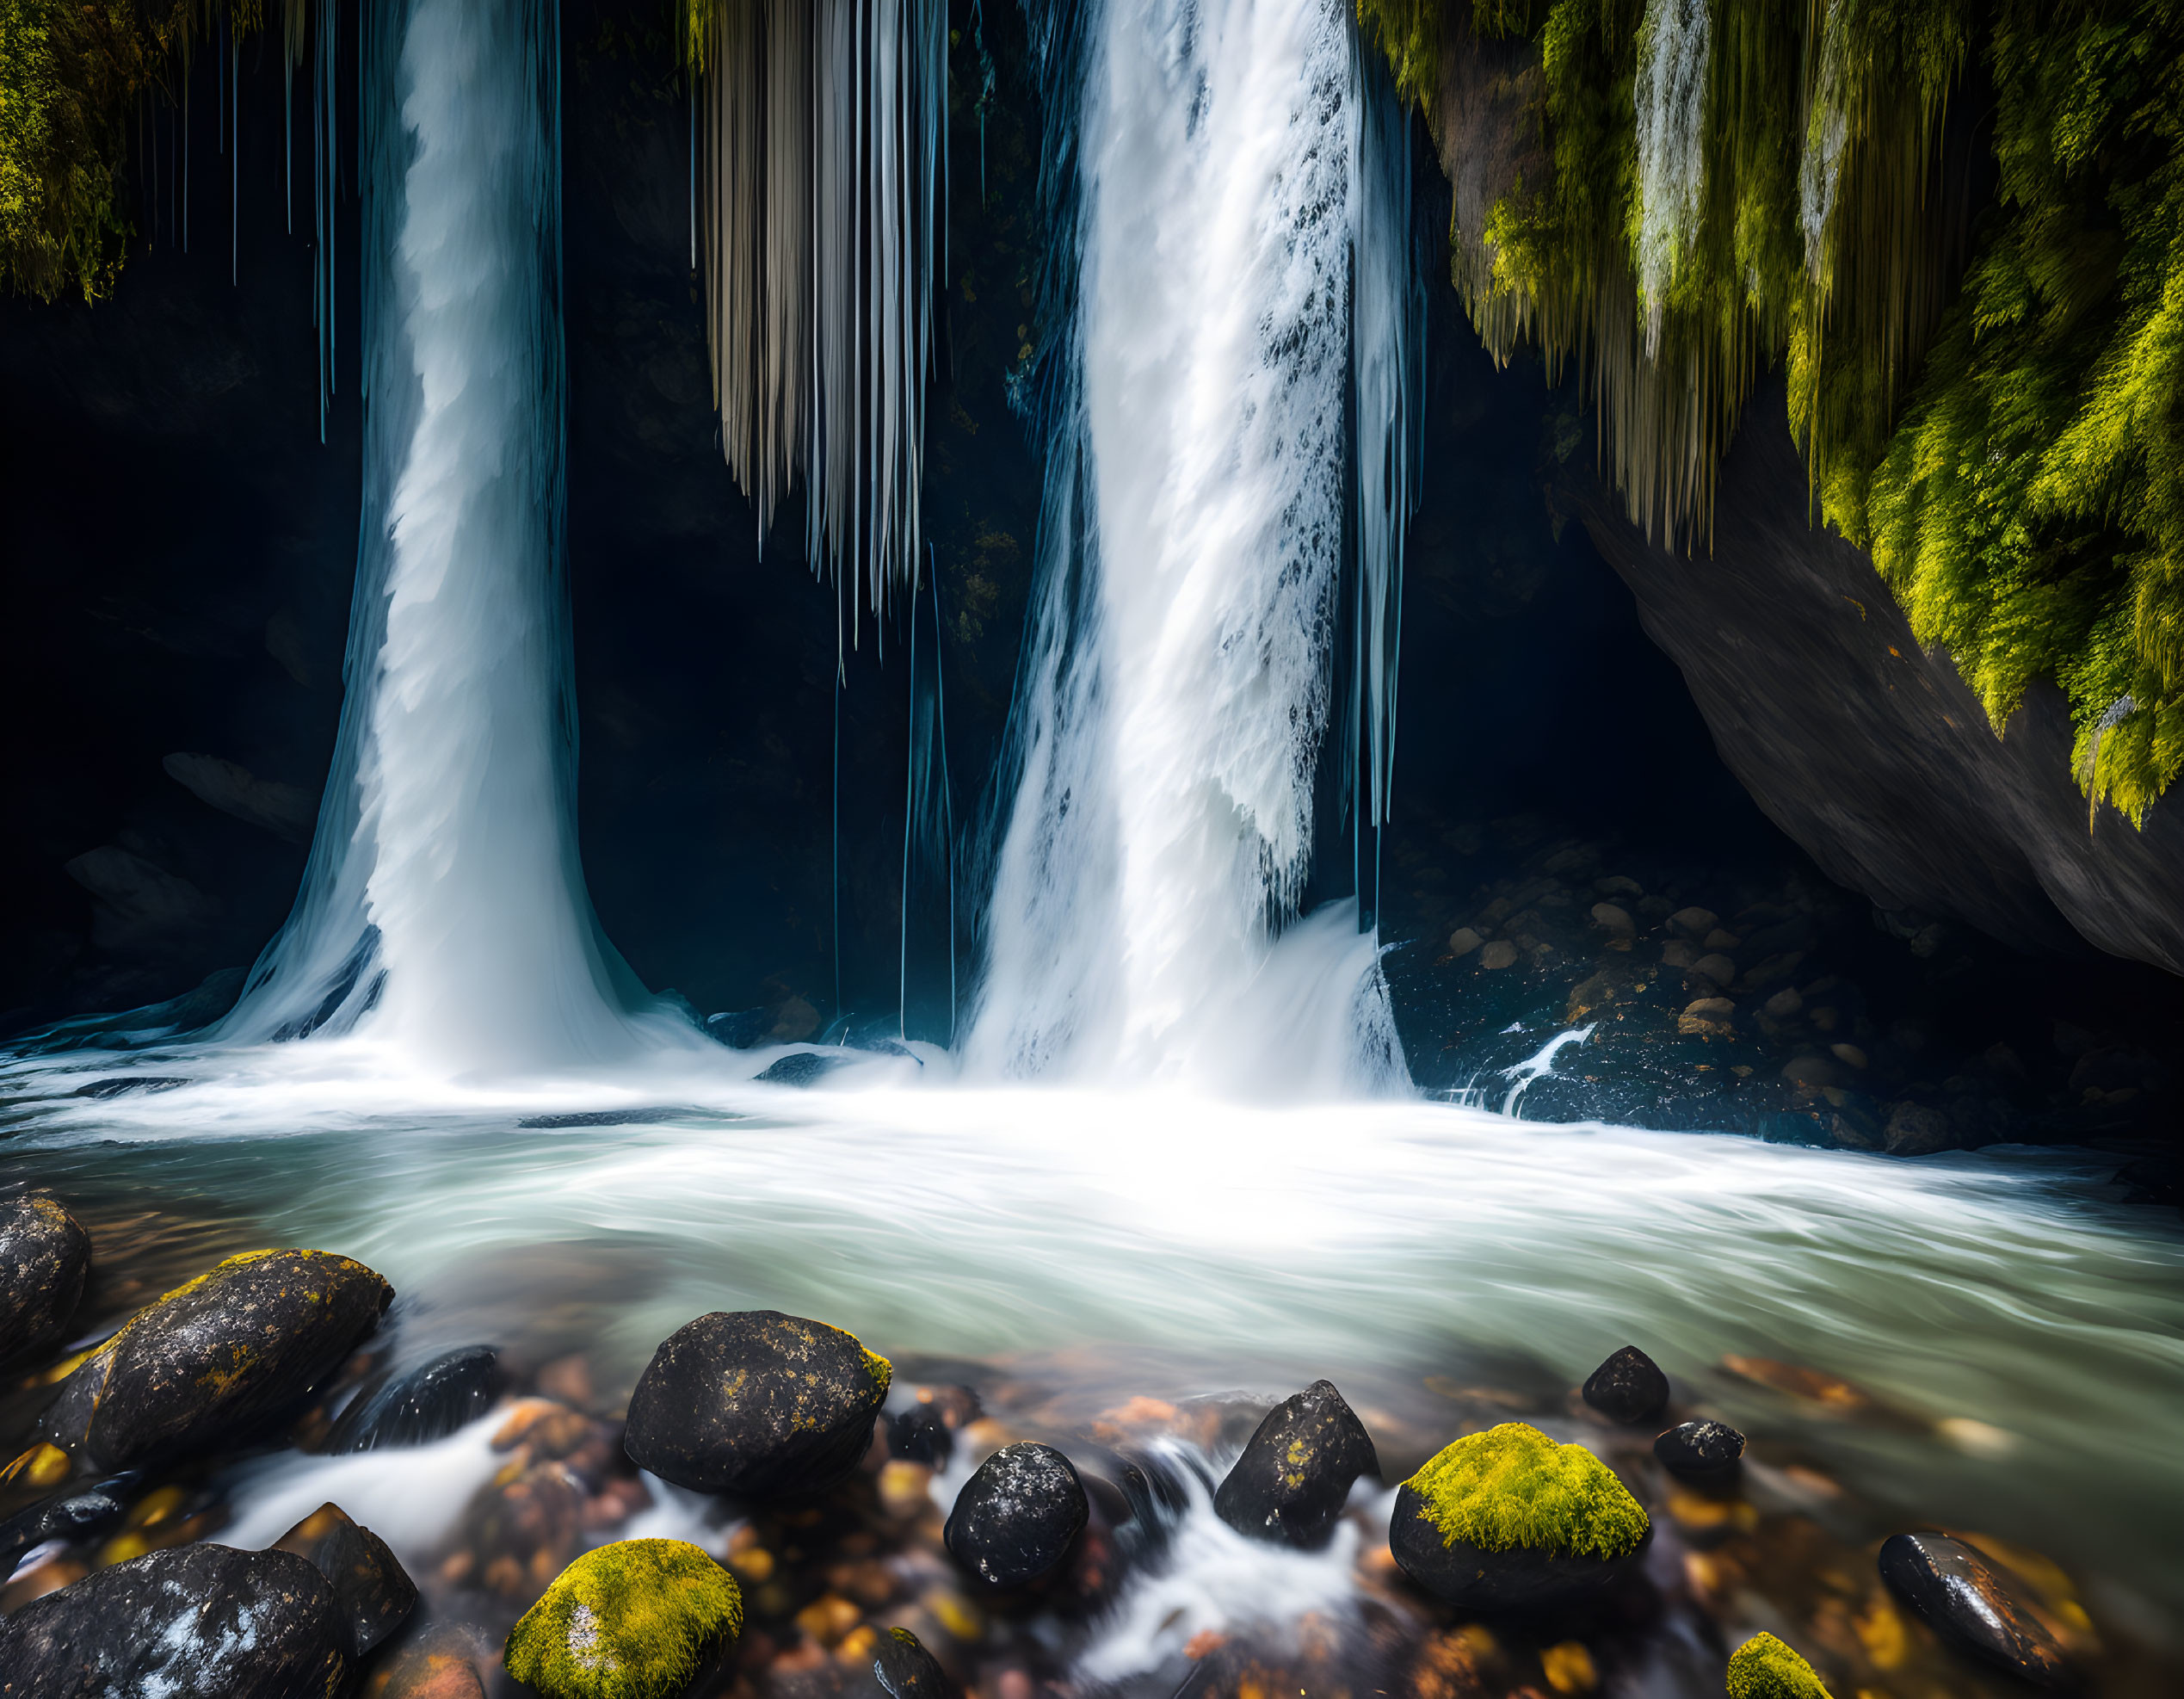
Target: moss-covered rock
point(1764, 1668)
point(234, 1346)
point(1508, 1519)
point(45, 1255)
point(640, 1619)
point(755, 1403)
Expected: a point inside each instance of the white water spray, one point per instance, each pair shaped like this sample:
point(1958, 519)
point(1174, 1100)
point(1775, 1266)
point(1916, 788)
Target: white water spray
point(1673, 48)
point(1179, 678)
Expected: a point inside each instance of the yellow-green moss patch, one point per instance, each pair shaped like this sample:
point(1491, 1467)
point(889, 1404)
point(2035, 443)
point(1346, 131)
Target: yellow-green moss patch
point(1764, 1668)
point(1513, 1486)
point(629, 1620)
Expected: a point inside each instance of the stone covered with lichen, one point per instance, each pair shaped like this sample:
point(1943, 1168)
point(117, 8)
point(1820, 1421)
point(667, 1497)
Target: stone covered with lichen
point(640, 1619)
point(1295, 1475)
point(45, 1255)
point(756, 1404)
point(1764, 1668)
point(1508, 1519)
point(234, 1347)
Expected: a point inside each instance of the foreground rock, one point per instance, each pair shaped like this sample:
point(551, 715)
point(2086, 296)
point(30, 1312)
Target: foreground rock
point(216, 1356)
point(1699, 1449)
point(197, 1622)
point(429, 1402)
point(374, 1595)
point(640, 1619)
point(1966, 1599)
point(1016, 1518)
point(1628, 1387)
point(1764, 1668)
point(1295, 1476)
point(1508, 1520)
point(755, 1403)
point(45, 1255)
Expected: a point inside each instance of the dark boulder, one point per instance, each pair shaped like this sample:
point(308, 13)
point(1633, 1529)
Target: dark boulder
point(45, 1255)
point(1016, 1518)
point(921, 1434)
point(803, 1067)
point(429, 1402)
point(757, 1404)
point(198, 1621)
point(1295, 1475)
point(1508, 1520)
point(229, 1350)
point(1628, 1387)
point(66, 1515)
point(1700, 1448)
point(374, 1595)
point(1966, 1599)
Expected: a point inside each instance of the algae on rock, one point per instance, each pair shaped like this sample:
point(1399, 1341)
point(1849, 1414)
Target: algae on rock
point(635, 1620)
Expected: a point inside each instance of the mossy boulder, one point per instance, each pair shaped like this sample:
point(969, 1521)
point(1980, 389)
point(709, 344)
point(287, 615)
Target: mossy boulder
point(234, 1347)
point(640, 1619)
point(756, 1404)
point(1764, 1668)
point(45, 1255)
point(1509, 1520)
point(1295, 1476)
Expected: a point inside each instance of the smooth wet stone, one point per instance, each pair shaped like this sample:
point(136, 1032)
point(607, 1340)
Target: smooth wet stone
point(1628, 1387)
point(757, 1404)
point(806, 1067)
point(45, 1255)
point(1700, 1448)
point(66, 1515)
point(639, 1619)
point(197, 1622)
point(920, 1434)
point(429, 1402)
point(1766, 1668)
point(1296, 1473)
point(1017, 1516)
point(1966, 1599)
point(1508, 1520)
point(374, 1595)
point(214, 1357)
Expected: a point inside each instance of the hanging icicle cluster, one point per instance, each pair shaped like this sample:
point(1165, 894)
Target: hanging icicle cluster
point(820, 150)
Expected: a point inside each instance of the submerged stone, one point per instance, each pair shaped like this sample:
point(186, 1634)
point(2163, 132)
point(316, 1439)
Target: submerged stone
point(1295, 1475)
point(1764, 1668)
point(69, 1515)
point(1628, 1387)
point(757, 1404)
point(230, 1349)
point(1967, 1599)
point(45, 1255)
point(198, 1621)
point(640, 1619)
point(1700, 1448)
point(1508, 1519)
point(1017, 1516)
point(429, 1402)
point(374, 1595)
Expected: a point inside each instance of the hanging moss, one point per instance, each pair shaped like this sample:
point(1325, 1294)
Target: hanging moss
point(1409, 32)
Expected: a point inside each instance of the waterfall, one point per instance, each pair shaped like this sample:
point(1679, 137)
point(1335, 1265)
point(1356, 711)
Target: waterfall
point(443, 909)
point(1674, 47)
point(1178, 677)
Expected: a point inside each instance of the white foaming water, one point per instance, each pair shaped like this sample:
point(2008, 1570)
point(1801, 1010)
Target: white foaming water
point(1173, 711)
point(1675, 45)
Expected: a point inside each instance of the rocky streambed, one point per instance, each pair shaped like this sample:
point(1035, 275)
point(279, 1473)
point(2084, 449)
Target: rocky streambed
point(773, 1510)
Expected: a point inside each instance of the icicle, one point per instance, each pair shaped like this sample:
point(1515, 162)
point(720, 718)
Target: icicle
point(1674, 47)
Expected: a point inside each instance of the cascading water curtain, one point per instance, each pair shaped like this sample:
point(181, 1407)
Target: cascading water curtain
point(443, 911)
point(823, 164)
point(1233, 207)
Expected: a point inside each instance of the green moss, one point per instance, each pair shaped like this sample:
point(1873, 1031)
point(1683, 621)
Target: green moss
point(1512, 1486)
point(882, 1370)
point(634, 1620)
point(1764, 1668)
point(1409, 32)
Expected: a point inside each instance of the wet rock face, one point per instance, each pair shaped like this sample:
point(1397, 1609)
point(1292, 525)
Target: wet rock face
point(230, 1349)
point(198, 1621)
point(756, 1404)
point(1295, 1475)
point(1627, 1388)
point(1016, 1518)
point(429, 1402)
point(1700, 1448)
point(374, 1595)
point(45, 1255)
point(1968, 1601)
